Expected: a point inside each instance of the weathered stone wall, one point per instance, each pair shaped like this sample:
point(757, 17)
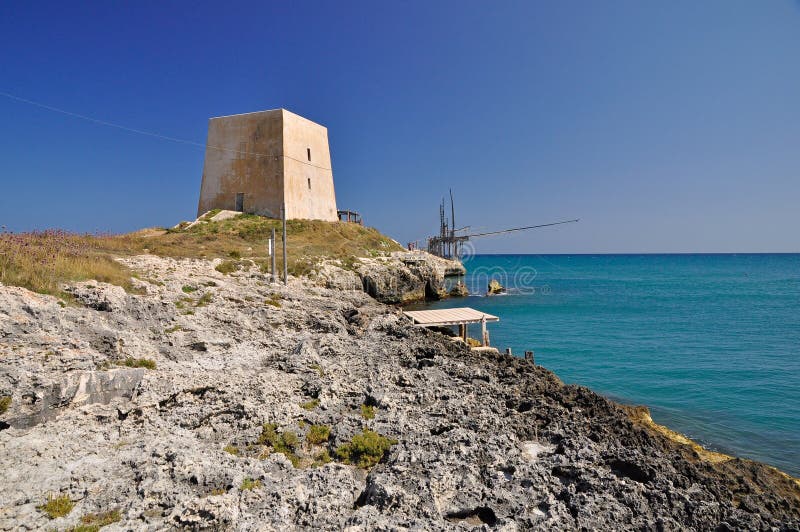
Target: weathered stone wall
point(308, 184)
point(265, 156)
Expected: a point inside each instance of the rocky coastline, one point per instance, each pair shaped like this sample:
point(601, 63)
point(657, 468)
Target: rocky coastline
point(205, 400)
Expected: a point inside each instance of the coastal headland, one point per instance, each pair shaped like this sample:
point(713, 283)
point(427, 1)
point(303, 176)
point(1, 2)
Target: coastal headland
point(186, 390)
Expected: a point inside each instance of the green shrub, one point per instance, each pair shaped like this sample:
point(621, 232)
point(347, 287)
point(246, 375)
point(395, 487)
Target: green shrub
point(287, 442)
point(249, 484)
point(188, 289)
point(231, 449)
point(365, 449)
point(310, 405)
point(90, 522)
point(173, 329)
point(322, 458)
point(274, 300)
point(318, 434)
point(269, 434)
point(57, 506)
point(204, 300)
point(228, 266)
point(367, 412)
point(5, 402)
point(138, 363)
point(284, 443)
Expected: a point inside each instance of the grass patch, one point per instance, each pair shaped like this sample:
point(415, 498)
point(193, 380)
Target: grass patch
point(281, 442)
point(321, 458)
point(188, 289)
point(90, 522)
point(274, 300)
point(310, 405)
point(248, 484)
point(204, 300)
point(365, 449)
point(131, 362)
point(367, 412)
point(41, 261)
point(228, 266)
point(318, 434)
point(57, 506)
point(231, 449)
point(5, 403)
point(173, 329)
point(318, 369)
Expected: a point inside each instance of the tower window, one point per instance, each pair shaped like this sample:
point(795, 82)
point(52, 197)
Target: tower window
point(309, 183)
point(308, 152)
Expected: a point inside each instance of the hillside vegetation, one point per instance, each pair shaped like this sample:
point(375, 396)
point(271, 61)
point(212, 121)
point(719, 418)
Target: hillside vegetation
point(41, 261)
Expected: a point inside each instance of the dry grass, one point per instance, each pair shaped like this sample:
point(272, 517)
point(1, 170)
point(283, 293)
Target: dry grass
point(57, 506)
point(42, 261)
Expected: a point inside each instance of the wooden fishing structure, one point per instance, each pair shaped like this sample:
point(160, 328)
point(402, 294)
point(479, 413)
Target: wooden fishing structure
point(449, 243)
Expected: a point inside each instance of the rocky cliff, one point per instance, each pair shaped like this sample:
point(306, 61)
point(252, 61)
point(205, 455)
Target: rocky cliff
point(212, 401)
point(397, 278)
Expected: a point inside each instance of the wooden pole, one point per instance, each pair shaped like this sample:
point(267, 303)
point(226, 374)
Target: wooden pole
point(285, 266)
point(273, 251)
point(484, 335)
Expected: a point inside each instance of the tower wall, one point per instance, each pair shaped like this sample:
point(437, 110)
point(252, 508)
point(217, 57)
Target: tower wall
point(308, 177)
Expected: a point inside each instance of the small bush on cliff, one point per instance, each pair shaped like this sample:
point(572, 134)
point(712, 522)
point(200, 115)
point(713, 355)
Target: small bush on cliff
point(5, 402)
point(138, 363)
point(273, 300)
point(284, 443)
point(91, 522)
point(248, 484)
point(228, 266)
point(318, 434)
point(57, 506)
point(367, 411)
point(310, 405)
point(231, 449)
point(365, 449)
point(204, 300)
point(321, 459)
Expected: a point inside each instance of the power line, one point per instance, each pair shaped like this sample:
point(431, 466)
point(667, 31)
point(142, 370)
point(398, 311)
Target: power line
point(150, 133)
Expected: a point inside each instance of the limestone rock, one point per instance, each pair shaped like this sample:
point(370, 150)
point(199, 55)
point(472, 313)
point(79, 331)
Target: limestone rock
point(483, 439)
point(495, 288)
point(459, 290)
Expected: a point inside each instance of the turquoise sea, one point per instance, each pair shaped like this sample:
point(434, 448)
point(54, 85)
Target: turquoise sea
point(710, 342)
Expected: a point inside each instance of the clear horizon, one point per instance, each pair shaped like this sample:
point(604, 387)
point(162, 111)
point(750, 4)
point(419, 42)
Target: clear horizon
point(665, 128)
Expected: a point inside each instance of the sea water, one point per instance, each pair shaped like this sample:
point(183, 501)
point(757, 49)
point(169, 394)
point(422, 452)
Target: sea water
point(710, 342)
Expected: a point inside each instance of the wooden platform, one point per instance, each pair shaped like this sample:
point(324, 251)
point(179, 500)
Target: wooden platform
point(461, 316)
point(448, 316)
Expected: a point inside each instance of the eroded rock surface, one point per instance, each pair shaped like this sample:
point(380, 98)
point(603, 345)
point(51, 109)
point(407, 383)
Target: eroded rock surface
point(483, 440)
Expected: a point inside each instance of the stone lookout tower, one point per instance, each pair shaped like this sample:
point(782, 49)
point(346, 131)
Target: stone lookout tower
point(256, 162)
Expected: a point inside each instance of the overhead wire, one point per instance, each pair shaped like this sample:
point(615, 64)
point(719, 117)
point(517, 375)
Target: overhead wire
point(151, 133)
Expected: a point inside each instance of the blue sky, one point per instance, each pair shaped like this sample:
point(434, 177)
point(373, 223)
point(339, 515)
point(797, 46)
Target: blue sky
point(666, 127)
